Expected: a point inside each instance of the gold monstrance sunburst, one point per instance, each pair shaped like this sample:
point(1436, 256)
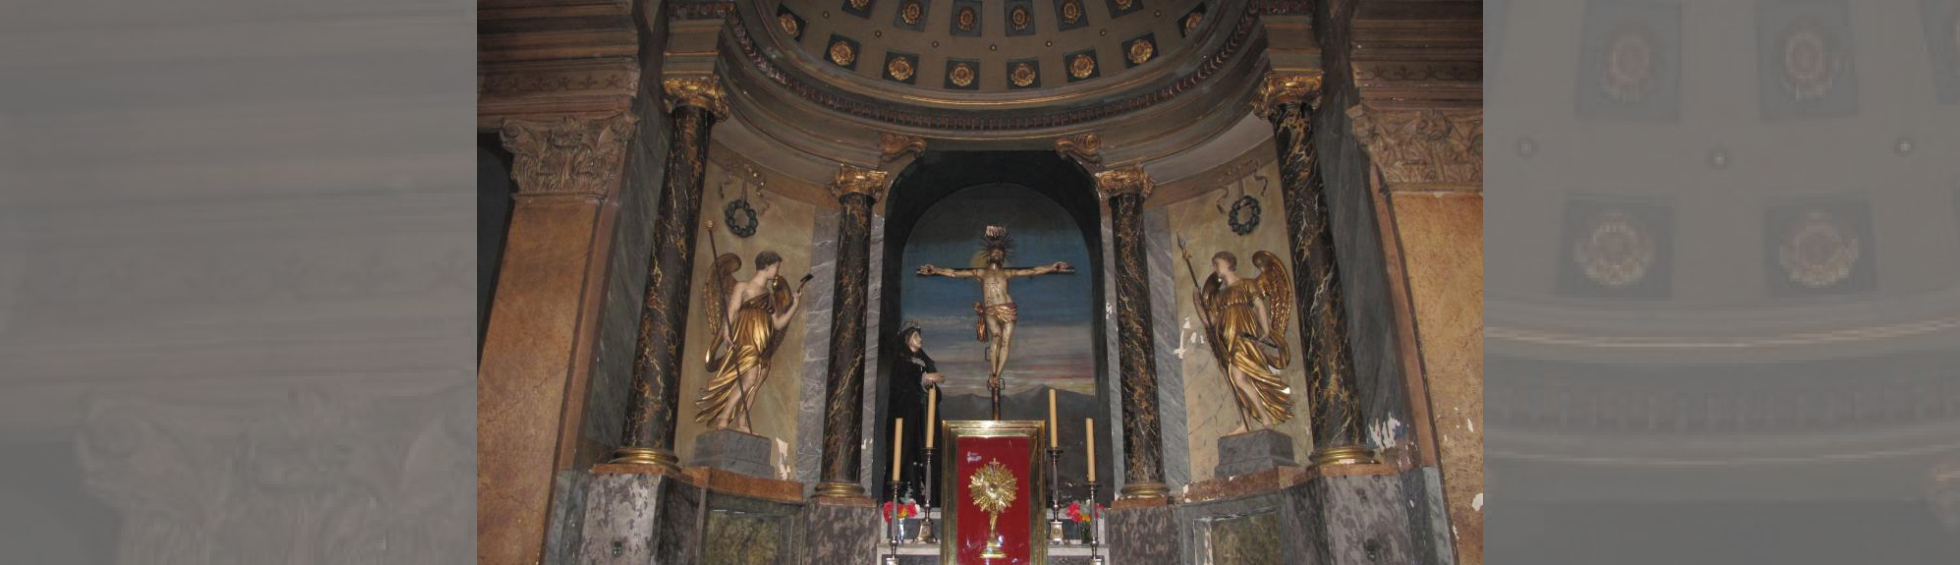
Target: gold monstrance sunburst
point(993, 491)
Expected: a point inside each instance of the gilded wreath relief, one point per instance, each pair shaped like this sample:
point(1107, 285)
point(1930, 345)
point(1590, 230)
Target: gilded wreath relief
point(747, 320)
point(1245, 324)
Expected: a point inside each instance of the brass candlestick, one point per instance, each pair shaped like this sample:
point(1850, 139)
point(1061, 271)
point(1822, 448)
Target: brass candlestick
point(1055, 533)
point(1094, 517)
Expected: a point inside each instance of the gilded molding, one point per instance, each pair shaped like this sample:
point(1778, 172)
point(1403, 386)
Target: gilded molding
point(892, 147)
point(1127, 180)
point(1084, 149)
point(569, 156)
point(1280, 88)
point(855, 180)
point(700, 91)
point(1423, 146)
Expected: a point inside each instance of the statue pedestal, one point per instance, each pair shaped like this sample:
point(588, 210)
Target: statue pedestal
point(1252, 452)
point(734, 451)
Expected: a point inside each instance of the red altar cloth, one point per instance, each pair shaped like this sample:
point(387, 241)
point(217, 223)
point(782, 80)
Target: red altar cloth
point(1013, 526)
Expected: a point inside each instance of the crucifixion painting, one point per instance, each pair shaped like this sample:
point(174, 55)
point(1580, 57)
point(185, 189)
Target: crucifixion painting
point(996, 310)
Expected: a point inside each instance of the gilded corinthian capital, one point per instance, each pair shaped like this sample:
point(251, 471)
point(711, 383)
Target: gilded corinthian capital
point(1124, 181)
point(1281, 88)
point(569, 156)
point(855, 180)
point(700, 91)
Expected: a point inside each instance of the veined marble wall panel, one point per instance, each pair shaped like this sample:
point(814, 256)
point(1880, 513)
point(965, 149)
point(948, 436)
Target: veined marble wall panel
point(785, 228)
point(1208, 400)
point(816, 350)
point(1160, 244)
point(869, 431)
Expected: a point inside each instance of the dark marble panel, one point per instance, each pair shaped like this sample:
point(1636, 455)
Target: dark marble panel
point(730, 450)
point(1141, 535)
point(1429, 525)
point(744, 531)
point(639, 519)
point(1249, 540)
point(566, 528)
point(1246, 529)
point(839, 533)
point(1255, 451)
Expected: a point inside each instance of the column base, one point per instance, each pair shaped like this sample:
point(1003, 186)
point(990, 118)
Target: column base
point(1343, 455)
point(1149, 489)
point(1252, 452)
point(647, 456)
point(839, 491)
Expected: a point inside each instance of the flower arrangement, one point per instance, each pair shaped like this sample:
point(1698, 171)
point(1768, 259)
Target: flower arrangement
point(906, 510)
point(1082, 513)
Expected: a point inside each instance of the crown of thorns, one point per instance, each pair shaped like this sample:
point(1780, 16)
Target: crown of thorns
point(996, 238)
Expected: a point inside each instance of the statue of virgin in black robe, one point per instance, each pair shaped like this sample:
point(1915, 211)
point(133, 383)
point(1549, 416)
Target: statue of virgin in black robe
point(912, 373)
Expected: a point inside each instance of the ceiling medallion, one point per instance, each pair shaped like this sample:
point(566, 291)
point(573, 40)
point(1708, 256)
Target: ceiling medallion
point(967, 17)
point(900, 68)
point(1627, 67)
point(1018, 16)
point(1125, 4)
point(1022, 75)
point(789, 23)
point(1141, 51)
point(1615, 252)
point(842, 53)
point(1810, 62)
point(1082, 66)
point(1191, 22)
point(912, 12)
point(1071, 11)
point(1818, 252)
point(860, 4)
point(961, 75)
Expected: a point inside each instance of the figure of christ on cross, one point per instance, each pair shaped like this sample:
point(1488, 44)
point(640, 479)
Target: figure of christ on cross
point(996, 308)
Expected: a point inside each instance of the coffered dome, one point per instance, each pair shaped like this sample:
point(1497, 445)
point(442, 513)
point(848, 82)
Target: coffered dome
point(942, 49)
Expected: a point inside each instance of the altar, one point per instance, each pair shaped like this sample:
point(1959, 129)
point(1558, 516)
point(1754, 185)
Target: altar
point(995, 501)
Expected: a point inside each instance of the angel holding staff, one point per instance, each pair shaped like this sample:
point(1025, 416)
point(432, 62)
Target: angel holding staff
point(1245, 324)
point(747, 321)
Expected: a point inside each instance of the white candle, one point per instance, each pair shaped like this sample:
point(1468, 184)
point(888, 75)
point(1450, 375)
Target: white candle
point(1090, 425)
point(932, 414)
point(1053, 431)
point(898, 445)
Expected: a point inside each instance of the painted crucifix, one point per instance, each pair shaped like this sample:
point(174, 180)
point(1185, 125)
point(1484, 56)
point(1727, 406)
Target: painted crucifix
point(996, 308)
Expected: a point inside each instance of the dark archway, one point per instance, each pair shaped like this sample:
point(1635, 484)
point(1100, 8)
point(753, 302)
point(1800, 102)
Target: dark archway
point(929, 180)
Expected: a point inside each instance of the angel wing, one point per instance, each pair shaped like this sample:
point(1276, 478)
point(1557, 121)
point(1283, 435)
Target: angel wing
point(721, 282)
point(1277, 289)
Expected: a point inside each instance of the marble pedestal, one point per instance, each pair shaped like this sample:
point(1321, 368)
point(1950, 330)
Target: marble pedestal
point(1140, 534)
point(1252, 452)
point(639, 518)
point(840, 533)
point(1350, 519)
point(734, 451)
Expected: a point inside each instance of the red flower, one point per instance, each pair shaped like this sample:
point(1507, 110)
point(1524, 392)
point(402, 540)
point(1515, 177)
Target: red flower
point(1075, 511)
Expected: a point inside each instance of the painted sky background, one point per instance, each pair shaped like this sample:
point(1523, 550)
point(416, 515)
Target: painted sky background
point(1053, 342)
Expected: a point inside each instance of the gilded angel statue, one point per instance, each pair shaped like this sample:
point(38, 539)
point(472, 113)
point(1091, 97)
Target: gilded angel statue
point(747, 325)
point(1245, 323)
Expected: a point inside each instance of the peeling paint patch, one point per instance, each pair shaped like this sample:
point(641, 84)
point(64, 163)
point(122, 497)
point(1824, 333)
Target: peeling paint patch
point(1477, 503)
point(1468, 422)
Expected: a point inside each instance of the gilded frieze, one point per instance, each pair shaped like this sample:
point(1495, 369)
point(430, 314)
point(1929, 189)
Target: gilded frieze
point(1424, 148)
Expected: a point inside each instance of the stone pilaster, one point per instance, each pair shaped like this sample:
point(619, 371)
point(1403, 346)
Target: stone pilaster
point(1124, 189)
point(1286, 100)
point(856, 190)
point(653, 407)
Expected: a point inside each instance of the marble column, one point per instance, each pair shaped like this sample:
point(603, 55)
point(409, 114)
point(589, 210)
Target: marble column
point(653, 405)
point(856, 190)
point(1143, 445)
point(1286, 100)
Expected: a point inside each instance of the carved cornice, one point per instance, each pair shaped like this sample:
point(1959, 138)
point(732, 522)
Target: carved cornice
point(1124, 181)
point(700, 91)
point(1085, 149)
point(1286, 88)
point(892, 147)
point(1424, 148)
point(857, 180)
point(569, 156)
